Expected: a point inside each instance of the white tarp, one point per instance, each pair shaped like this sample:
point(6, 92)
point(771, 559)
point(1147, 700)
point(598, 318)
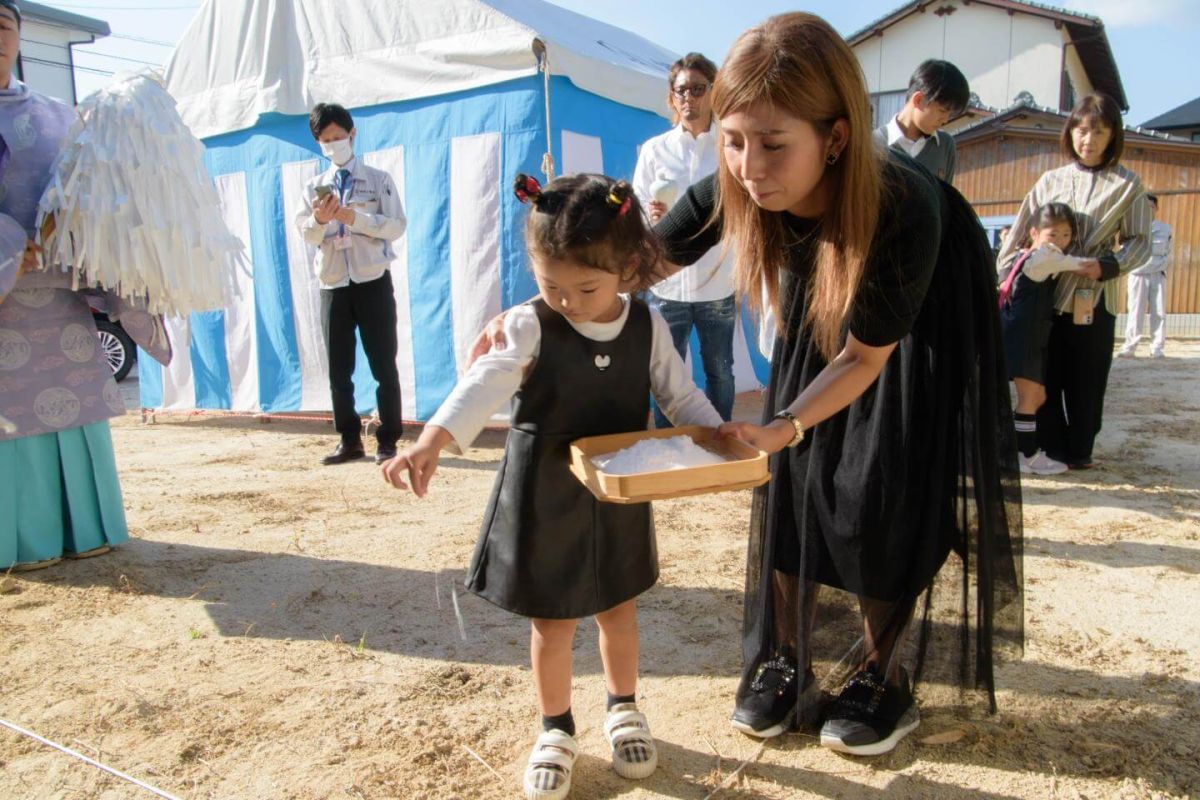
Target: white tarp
point(242, 58)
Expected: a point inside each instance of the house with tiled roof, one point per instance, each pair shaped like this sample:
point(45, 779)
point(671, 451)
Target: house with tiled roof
point(48, 37)
point(1009, 50)
point(1183, 121)
point(1002, 156)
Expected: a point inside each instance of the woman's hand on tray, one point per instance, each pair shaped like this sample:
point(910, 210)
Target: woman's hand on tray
point(769, 438)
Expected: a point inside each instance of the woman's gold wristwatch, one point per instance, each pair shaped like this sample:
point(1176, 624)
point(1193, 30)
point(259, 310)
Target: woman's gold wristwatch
point(790, 417)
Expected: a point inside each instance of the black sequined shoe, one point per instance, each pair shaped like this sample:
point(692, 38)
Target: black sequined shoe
point(767, 709)
point(870, 717)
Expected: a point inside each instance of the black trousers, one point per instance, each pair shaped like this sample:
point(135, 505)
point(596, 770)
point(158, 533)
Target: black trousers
point(1078, 359)
point(371, 308)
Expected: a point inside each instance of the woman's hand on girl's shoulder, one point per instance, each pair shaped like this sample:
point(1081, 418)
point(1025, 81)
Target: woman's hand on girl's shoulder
point(769, 438)
point(490, 338)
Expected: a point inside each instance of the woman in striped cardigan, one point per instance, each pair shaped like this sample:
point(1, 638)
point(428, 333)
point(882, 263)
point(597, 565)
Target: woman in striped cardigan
point(1113, 216)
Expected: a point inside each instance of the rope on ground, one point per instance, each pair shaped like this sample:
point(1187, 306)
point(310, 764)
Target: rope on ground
point(200, 412)
point(285, 416)
point(82, 757)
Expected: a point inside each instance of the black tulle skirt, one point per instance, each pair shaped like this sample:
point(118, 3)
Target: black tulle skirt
point(911, 496)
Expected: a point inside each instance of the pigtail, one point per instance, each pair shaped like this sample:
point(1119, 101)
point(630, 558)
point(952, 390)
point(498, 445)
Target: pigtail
point(526, 188)
point(620, 197)
point(588, 219)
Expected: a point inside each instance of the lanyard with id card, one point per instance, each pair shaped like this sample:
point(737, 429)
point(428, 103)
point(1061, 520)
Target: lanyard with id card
point(1083, 306)
point(344, 184)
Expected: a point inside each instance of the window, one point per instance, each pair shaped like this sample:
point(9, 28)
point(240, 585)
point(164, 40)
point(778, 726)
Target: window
point(1068, 93)
point(885, 105)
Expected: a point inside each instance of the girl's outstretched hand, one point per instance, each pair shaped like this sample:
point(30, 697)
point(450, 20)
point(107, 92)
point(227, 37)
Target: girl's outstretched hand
point(769, 438)
point(419, 461)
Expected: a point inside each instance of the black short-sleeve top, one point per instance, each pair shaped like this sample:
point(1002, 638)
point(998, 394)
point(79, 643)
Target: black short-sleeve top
point(899, 267)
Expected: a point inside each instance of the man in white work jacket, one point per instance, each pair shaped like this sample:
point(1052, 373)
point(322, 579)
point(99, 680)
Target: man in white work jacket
point(1148, 291)
point(352, 213)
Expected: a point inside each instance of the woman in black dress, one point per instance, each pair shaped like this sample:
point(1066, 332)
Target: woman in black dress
point(887, 410)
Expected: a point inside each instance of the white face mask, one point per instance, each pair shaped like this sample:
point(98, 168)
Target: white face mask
point(339, 152)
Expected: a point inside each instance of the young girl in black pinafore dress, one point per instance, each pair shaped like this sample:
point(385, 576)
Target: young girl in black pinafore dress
point(1026, 317)
point(582, 360)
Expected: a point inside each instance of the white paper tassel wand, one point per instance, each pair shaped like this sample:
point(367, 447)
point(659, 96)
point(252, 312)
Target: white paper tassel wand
point(130, 207)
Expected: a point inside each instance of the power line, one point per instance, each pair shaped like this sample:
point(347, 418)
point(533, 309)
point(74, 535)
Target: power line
point(125, 8)
point(94, 53)
point(49, 63)
point(119, 58)
point(140, 39)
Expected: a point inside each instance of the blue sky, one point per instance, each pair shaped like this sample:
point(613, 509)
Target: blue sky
point(1156, 42)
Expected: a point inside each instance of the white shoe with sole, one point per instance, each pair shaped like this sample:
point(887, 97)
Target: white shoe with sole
point(634, 755)
point(1041, 464)
point(548, 773)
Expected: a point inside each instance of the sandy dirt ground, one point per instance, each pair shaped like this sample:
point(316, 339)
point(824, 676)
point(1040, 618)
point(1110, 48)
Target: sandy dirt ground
point(275, 629)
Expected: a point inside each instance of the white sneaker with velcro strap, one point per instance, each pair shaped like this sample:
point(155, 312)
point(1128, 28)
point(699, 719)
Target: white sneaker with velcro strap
point(634, 754)
point(548, 773)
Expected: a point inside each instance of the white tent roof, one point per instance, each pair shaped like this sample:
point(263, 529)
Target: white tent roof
point(242, 58)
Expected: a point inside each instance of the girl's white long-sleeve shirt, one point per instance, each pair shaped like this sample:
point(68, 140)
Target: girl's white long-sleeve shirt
point(497, 376)
point(1108, 204)
point(1049, 260)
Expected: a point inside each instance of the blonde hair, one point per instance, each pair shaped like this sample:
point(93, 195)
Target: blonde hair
point(797, 64)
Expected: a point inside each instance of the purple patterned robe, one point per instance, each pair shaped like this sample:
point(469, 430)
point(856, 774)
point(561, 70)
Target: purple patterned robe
point(53, 374)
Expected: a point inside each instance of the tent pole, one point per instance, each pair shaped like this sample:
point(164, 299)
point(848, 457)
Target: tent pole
point(539, 48)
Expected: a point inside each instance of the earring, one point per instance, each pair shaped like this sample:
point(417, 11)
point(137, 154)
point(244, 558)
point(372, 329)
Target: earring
point(832, 158)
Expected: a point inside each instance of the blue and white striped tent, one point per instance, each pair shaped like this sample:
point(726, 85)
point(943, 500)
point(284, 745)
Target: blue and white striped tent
point(449, 99)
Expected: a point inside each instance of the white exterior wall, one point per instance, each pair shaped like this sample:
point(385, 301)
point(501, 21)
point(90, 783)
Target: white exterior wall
point(1001, 54)
point(1031, 60)
point(869, 53)
point(48, 43)
point(905, 45)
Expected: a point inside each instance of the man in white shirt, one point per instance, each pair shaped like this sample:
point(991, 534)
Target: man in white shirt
point(1148, 288)
point(352, 213)
point(701, 297)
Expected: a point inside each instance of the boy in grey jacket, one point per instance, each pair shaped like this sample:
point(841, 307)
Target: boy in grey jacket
point(937, 93)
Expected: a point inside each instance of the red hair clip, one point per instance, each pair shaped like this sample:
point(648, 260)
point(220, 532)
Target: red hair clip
point(526, 188)
point(615, 200)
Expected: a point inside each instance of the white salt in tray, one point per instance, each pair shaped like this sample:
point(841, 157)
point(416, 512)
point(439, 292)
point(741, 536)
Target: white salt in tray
point(742, 467)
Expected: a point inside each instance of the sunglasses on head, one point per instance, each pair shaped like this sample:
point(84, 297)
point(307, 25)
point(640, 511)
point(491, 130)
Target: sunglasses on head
point(695, 90)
